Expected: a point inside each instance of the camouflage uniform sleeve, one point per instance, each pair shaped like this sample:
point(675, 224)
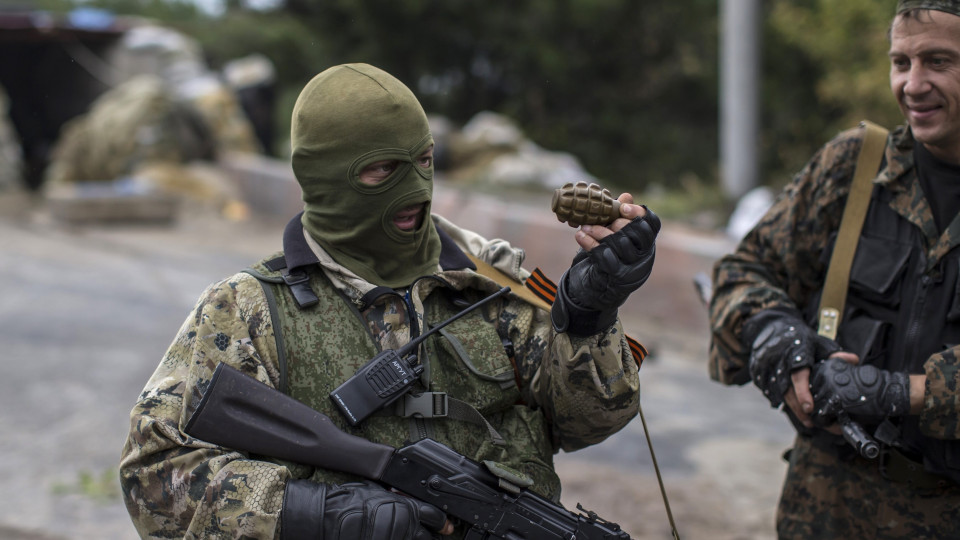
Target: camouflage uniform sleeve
point(588, 387)
point(778, 263)
point(175, 486)
point(940, 416)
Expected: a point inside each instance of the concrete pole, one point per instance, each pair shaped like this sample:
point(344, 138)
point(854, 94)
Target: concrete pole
point(739, 96)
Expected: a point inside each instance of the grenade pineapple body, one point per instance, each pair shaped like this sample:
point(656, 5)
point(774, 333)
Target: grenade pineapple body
point(584, 204)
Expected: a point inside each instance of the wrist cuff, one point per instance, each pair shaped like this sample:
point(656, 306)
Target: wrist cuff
point(302, 512)
point(568, 317)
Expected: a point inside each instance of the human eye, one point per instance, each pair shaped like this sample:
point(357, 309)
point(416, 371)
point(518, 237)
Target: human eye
point(377, 172)
point(425, 159)
point(938, 61)
point(899, 62)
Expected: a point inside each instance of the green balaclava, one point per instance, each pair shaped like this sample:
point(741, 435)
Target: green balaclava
point(948, 6)
point(346, 118)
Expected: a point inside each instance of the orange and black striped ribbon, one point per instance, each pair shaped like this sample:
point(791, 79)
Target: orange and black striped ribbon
point(540, 285)
point(545, 289)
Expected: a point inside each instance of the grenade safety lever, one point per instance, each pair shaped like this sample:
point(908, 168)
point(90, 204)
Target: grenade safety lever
point(584, 204)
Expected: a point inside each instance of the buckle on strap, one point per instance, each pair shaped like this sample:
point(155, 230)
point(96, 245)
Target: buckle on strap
point(425, 405)
point(299, 284)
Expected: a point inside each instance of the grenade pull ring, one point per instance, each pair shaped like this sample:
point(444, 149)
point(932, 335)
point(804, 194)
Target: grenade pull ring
point(584, 204)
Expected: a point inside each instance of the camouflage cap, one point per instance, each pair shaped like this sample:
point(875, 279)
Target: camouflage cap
point(948, 6)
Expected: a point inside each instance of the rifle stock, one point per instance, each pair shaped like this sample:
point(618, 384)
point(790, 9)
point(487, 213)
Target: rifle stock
point(239, 412)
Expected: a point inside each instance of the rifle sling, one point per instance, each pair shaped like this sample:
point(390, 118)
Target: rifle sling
point(834, 295)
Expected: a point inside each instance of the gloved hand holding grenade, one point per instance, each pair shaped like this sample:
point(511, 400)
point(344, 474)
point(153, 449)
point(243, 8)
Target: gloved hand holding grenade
point(600, 280)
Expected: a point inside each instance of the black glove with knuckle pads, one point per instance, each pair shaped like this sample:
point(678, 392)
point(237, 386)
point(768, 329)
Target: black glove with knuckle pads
point(858, 390)
point(781, 343)
point(355, 511)
point(599, 281)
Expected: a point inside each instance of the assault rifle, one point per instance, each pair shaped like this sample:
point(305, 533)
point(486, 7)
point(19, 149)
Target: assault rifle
point(239, 412)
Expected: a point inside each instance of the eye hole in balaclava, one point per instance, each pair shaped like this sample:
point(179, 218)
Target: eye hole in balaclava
point(407, 185)
point(345, 119)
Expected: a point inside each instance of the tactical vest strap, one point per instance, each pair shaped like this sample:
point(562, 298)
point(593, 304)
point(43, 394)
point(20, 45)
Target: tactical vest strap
point(274, 318)
point(299, 283)
point(276, 264)
point(517, 288)
point(440, 405)
point(298, 280)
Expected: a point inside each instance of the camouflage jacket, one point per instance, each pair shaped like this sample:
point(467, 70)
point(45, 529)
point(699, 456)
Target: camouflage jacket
point(780, 263)
point(177, 486)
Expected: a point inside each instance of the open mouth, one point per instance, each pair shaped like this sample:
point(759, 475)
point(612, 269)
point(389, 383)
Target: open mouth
point(409, 218)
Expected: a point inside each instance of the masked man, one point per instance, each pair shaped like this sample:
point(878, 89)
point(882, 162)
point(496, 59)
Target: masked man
point(366, 268)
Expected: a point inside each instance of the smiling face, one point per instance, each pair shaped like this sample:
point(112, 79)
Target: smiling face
point(925, 78)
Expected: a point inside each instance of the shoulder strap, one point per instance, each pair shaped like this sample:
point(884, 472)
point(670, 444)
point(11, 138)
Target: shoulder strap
point(297, 279)
point(274, 323)
point(541, 292)
point(487, 270)
point(848, 236)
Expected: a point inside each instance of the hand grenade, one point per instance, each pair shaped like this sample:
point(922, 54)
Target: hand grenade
point(584, 204)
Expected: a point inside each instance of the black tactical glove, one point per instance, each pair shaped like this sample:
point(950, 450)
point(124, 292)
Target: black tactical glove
point(858, 390)
point(355, 511)
point(600, 280)
point(781, 343)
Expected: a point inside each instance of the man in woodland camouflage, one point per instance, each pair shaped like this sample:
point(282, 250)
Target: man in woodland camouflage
point(366, 268)
point(894, 365)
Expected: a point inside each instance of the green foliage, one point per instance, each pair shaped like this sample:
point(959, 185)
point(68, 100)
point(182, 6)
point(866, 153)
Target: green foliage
point(826, 68)
point(628, 87)
point(165, 10)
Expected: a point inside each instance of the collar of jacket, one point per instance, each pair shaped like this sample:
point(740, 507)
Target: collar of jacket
point(298, 253)
point(898, 159)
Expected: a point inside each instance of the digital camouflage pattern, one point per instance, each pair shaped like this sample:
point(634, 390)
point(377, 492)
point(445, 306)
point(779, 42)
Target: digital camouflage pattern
point(779, 264)
point(827, 498)
point(572, 393)
point(467, 358)
point(774, 266)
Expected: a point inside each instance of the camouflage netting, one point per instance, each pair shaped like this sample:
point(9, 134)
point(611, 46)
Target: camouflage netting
point(491, 149)
point(230, 128)
point(10, 160)
point(134, 124)
point(138, 139)
point(178, 60)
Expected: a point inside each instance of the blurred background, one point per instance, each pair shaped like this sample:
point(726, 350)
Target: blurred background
point(144, 150)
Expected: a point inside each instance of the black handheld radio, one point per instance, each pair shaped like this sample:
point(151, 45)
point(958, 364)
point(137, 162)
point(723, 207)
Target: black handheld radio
point(389, 375)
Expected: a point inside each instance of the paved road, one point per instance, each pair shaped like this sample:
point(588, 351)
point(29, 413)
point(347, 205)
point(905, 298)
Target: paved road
point(86, 313)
